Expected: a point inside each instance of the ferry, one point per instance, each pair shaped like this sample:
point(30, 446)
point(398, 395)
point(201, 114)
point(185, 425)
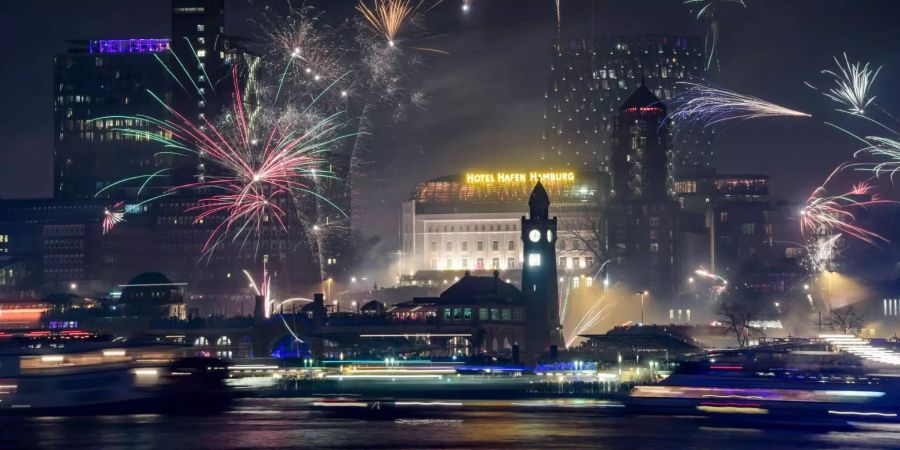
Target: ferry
point(78, 372)
point(800, 381)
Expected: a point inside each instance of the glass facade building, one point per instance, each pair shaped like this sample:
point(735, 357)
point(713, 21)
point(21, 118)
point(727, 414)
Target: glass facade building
point(591, 77)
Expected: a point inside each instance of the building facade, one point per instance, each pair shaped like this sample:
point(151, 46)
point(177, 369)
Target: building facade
point(591, 77)
point(472, 222)
point(642, 212)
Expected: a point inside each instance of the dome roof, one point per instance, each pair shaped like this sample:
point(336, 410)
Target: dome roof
point(150, 278)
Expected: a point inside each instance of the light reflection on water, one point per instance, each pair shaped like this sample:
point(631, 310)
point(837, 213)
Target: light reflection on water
point(289, 423)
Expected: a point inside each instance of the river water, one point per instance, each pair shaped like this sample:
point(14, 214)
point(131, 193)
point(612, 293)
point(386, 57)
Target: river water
point(291, 423)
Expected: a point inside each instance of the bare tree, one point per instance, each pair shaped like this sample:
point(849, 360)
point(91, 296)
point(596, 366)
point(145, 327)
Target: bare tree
point(847, 320)
point(590, 230)
point(739, 319)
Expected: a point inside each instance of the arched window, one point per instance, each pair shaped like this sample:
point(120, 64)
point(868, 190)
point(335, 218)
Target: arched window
point(201, 342)
point(223, 341)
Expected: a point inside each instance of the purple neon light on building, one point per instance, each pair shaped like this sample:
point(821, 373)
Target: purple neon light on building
point(129, 45)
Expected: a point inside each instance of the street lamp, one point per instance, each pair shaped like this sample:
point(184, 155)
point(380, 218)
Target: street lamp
point(642, 294)
point(354, 305)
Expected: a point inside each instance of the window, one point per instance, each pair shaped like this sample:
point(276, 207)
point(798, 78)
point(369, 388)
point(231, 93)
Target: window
point(449, 246)
point(589, 261)
point(467, 313)
point(495, 245)
point(562, 245)
point(590, 281)
point(576, 262)
point(748, 228)
point(505, 315)
point(465, 246)
point(433, 263)
point(654, 247)
point(534, 259)
point(446, 313)
point(479, 246)
point(575, 282)
point(465, 263)
point(495, 263)
point(723, 217)
point(200, 27)
point(434, 246)
point(449, 264)
point(495, 314)
point(482, 314)
point(562, 261)
point(511, 245)
point(654, 221)
point(479, 264)
point(510, 263)
point(201, 53)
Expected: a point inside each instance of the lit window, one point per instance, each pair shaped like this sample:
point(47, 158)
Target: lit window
point(200, 27)
point(534, 259)
point(201, 53)
point(575, 282)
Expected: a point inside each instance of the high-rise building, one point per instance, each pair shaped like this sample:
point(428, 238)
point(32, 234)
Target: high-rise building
point(642, 212)
point(539, 278)
point(98, 83)
point(591, 77)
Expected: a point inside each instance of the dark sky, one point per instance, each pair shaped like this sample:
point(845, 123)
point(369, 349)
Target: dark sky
point(486, 97)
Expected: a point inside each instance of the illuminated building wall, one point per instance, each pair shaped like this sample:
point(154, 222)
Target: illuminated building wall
point(472, 221)
point(591, 77)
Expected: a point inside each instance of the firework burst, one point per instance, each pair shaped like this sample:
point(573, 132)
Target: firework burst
point(112, 216)
point(389, 17)
point(852, 85)
point(828, 215)
point(251, 169)
point(702, 103)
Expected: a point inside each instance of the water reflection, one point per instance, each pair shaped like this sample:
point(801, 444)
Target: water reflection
point(290, 423)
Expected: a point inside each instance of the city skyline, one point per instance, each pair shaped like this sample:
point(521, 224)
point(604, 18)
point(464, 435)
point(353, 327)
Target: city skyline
point(428, 144)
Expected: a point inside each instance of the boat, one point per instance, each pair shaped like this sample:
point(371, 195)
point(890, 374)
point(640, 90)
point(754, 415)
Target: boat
point(797, 381)
point(78, 372)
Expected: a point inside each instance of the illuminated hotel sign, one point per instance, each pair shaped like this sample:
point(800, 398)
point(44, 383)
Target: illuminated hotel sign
point(519, 177)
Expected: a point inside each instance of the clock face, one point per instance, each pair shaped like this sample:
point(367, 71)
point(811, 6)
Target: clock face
point(549, 236)
point(534, 235)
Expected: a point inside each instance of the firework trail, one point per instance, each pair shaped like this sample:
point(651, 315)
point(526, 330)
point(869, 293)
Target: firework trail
point(702, 103)
point(558, 15)
point(112, 216)
point(708, 11)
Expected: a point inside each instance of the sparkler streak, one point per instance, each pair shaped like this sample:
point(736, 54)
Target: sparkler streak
point(711, 105)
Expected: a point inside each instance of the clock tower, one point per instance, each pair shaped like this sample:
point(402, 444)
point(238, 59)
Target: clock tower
point(539, 282)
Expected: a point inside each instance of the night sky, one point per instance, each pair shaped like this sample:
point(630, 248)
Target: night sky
point(486, 97)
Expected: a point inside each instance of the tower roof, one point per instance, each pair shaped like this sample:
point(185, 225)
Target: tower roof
point(642, 97)
point(539, 200)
